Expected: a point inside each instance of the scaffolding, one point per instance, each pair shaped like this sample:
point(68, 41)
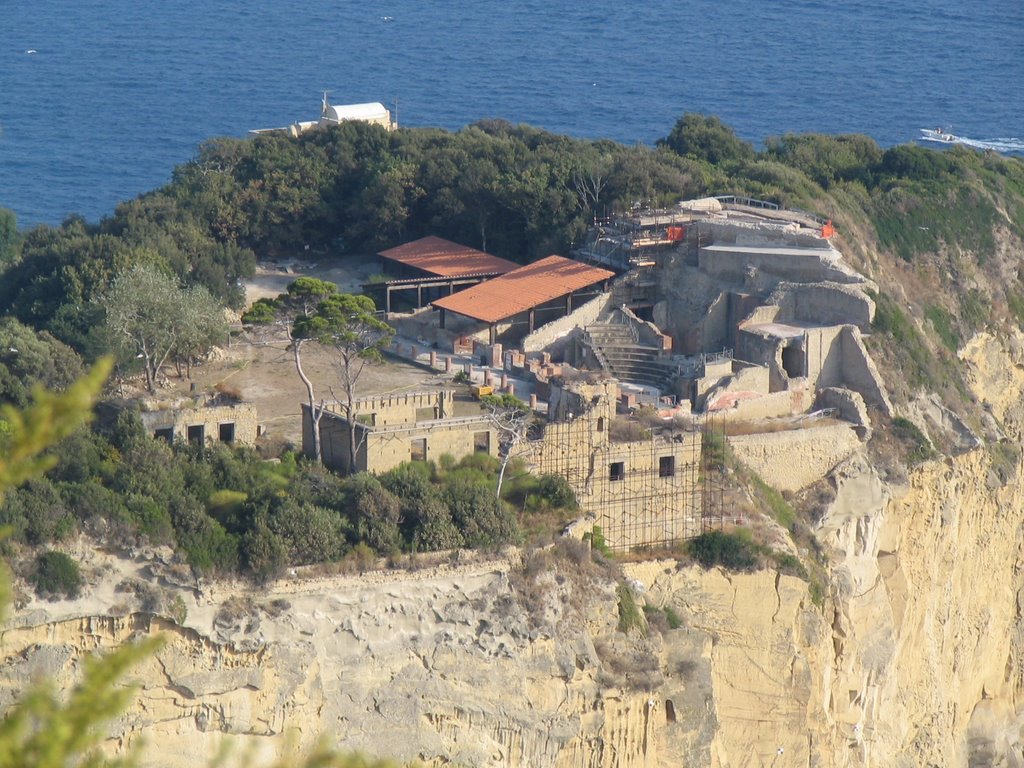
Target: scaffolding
point(642, 493)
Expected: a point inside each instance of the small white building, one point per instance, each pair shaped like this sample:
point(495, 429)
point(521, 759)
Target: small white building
point(372, 112)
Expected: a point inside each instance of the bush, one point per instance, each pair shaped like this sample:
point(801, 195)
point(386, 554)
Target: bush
point(630, 617)
point(55, 574)
point(735, 550)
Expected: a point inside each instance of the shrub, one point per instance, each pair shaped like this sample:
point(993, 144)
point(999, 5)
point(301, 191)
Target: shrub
point(908, 433)
point(734, 550)
point(375, 513)
point(482, 518)
point(630, 617)
point(55, 574)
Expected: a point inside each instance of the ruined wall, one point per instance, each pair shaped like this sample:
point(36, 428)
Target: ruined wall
point(387, 448)
point(860, 373)
point(641, 493)
point(796, 458)
point(396, 439)
point(733, 263)
point(557, 330)
point(239, 420)
point(825, 304)
point(741, 406)
point(823, 347)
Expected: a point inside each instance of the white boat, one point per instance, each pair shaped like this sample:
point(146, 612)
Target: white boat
point(938, 134)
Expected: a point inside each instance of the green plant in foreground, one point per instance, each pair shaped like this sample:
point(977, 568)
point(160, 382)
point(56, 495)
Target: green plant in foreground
point(48, 729)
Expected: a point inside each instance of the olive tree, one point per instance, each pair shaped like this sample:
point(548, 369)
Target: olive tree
point(151, 317)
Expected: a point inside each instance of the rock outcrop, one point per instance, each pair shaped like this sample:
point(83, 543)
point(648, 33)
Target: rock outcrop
point(915, 657)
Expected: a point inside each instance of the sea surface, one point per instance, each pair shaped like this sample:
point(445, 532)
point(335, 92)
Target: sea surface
point(100, 99)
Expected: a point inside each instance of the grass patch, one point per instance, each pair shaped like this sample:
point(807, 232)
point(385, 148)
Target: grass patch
point(908, 433)
point(630, 617)
point(942, 322)
point(781, 510)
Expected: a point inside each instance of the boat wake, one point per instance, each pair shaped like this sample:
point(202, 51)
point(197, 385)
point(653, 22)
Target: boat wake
point(999, 145)
point(1007, 144)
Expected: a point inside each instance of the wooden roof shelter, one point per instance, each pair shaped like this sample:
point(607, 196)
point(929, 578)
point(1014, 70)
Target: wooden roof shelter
point(435, 266)
point(524, 290)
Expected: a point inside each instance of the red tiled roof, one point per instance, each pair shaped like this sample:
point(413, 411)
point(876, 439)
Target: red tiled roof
point(447, 259)
point(523, 289)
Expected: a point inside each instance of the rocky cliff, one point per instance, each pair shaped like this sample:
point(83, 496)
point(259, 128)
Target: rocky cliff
point(914, 658)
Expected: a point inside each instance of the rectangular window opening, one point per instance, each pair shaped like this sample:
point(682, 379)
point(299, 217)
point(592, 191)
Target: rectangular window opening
point(482, 442)
point(167, 433)
point(667, 466)
point(196, 434)
point(227, 432)
point(617, 471)
point(418, 449)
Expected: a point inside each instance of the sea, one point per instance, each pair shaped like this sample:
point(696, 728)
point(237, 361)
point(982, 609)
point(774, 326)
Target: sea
point(101, 99)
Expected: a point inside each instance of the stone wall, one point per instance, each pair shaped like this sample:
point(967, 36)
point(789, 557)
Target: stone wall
point(559, 330)
point(825, 304)
point(860, 373)
point(739, 406)
point(811, 265)
point(236, 423)
point(797, 458)
point(396, 428)
point(641, 493)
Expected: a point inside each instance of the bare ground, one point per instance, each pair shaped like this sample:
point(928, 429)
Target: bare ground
point(265, 374)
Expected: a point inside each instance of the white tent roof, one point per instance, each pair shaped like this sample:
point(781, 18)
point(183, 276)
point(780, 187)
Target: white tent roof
point(371, 111)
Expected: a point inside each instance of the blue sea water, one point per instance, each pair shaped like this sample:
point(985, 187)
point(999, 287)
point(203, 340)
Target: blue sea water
point(117, 92)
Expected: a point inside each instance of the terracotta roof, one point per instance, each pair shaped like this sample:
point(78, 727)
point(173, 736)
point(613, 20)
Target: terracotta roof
point(447, 259)
point(523, 288)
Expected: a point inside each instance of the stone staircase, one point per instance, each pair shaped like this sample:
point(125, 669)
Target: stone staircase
point(616, 347)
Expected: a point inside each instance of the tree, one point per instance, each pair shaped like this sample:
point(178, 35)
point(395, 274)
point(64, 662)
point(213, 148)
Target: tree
point(152, 318)
point(705, 137)
point(280, 317)
point(8, 236)
point(28, 358)
point(346, 324)
point(511, 417)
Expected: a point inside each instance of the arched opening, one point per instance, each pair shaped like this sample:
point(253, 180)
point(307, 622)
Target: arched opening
point(670, 711)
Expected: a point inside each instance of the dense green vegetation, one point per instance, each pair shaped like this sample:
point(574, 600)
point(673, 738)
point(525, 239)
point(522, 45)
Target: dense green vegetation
point(229, 511)
point(513, 190)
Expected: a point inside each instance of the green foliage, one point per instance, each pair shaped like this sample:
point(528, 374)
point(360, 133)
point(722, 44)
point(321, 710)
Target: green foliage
point(674, 620)
point(9, 238)
point(918, 447)
point(733, 550)
point(597, 541)
point(56, 575)
point(28, 358)
point(780, 509)
point(942, 322)
point(631, 619)
point(150, 318)
point(49, 418)
point(705, 137)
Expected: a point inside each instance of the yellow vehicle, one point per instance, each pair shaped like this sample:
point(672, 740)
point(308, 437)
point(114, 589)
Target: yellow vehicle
point(480, 390)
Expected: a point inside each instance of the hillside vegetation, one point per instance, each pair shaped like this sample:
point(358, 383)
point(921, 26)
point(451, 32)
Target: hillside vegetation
point(940, 233)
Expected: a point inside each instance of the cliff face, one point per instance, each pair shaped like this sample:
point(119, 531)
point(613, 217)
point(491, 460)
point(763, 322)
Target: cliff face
point(915, 658)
